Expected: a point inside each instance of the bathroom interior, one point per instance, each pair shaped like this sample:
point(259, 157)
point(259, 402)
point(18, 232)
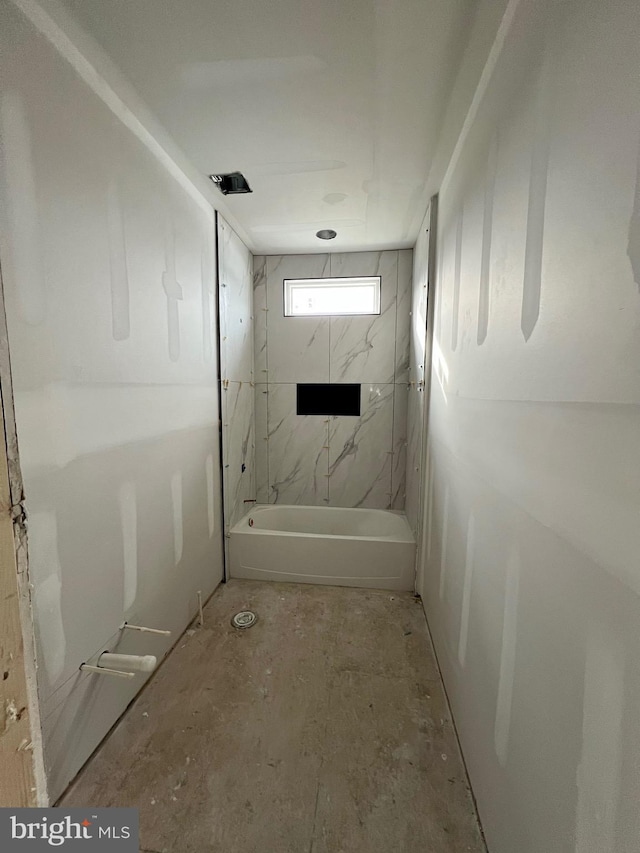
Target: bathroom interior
point(382, 410)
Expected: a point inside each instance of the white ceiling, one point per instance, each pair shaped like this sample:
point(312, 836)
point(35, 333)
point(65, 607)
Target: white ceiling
point(330, 108)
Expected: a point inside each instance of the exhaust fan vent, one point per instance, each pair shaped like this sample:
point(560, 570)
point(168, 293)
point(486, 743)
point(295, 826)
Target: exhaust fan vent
point(232, 183)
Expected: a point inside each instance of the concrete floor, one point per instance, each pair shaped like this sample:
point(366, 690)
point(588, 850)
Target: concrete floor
point(322, 729)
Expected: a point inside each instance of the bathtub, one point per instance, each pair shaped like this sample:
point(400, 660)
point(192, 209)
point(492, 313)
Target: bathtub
point(324, 545)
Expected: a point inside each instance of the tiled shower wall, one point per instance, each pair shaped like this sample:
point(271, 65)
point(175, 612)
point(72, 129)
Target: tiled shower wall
point(236, 372)
point(335, 461)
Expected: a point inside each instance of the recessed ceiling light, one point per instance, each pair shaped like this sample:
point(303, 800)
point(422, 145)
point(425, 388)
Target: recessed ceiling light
point(326, 234)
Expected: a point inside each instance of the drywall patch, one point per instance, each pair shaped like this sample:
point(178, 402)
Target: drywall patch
point(507, 657)
point(466, 590)
point(443, 543)
point(46, 574)
point(484, 296)
point(176, 502)
point(532, 278)
point(129, 524)
point(172, 289)
point(22, 209)
point(455, 311)
point(120, 319)
point(210, 501)
point(598, 775)
point(633, 246)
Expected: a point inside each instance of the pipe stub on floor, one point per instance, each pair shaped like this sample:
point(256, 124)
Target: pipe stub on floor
point(244, 619)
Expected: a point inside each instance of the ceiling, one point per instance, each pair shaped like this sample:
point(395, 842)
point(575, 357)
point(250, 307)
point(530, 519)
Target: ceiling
point(330, 108)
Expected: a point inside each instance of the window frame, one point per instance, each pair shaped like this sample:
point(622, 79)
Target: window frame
point(329, 281)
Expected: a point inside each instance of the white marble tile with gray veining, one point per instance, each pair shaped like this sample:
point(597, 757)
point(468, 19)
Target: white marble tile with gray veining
point(363, 348)
point(347, 264)
point(399, 467)
point(261, 440)
point(298, 451)
point(298, 347)
point(360, 452)
point(260, 318)
point(238, 449)
point(403, 314)
point(236, 306)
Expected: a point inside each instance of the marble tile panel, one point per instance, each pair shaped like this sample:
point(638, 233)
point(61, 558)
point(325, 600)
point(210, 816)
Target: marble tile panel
point(238, 449)
point(384, 264)
point(262, 447)
point(399, 467)
point(298, 347)
point(360, 452)
point(403, 314)
point(363, 348)
point(298, 451)
point(260, 317)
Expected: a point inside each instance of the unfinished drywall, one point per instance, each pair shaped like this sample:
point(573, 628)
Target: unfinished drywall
point(235, 270)
point(416, 390)
point(109, 274)
point(531, 575)
point(337, 461)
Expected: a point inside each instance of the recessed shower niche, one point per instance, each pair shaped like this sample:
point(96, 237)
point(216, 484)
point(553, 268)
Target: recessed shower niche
point(330, 399)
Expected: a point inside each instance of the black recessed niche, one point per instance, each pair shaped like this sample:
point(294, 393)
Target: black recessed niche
point(332, 399)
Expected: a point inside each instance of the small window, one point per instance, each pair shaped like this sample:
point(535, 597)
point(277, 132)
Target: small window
point(309, 297)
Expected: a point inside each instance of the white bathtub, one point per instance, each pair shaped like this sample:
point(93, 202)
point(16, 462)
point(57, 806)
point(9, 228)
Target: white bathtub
point(326, 545)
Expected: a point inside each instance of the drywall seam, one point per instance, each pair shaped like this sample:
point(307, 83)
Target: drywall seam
point(534, 247)
point(481, 88)
point(22, 207)
point(119, 275)
point(484, 296)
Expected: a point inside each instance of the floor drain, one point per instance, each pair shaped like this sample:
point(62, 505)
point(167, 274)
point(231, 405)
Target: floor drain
point(244, 619)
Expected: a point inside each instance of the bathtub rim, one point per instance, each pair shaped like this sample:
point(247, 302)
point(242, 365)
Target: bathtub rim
point(242, 526)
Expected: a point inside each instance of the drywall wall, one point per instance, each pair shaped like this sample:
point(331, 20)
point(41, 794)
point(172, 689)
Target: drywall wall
point(531, 576)
point(416, 390)
point(235, 271)
point(334, 461)
point(109, 275)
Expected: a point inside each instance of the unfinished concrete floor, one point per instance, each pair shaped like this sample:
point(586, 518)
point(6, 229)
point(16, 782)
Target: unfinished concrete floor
point(322, 729)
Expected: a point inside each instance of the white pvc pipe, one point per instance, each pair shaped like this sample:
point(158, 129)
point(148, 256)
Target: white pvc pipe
point(146, 630)
point(137, 663)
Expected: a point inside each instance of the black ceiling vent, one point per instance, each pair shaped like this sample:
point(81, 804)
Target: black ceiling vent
point(231, 183)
